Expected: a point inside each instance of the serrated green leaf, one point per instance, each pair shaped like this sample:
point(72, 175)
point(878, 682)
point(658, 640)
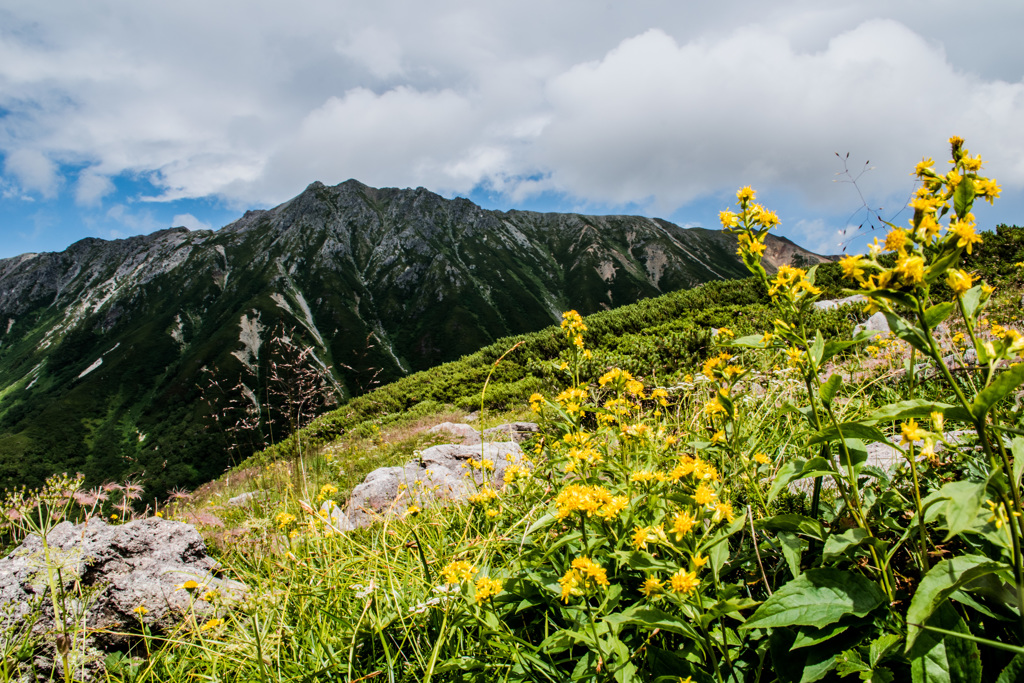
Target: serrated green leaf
point(830, 387)
point(945, 658)
point(940, 581)
point(817, 597)
point(963, 500)
point(1014, 671)
point(882, 646)
point(999, 389)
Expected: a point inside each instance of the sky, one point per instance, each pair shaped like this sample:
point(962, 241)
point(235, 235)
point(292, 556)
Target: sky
point(121, 117)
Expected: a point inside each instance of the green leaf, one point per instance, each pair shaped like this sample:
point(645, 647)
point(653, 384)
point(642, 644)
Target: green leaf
point(834, 347)
point(790, 521)
point(963, 500)
point(649, 618)
point(941, 580)
point(1000, 388)
point(806, 636)
point(937, 313)
point(882, 646)
point(904, 410)
point(945, 658)
point(817, 597)
point(817, 349)
point(798, 469)
point(1013, 672)
point(972, 301)
point(792, 549)
point(830, 387)
point(848, 430)
point(752, 341)
point(963, 197)
point(907, 332)
point(838, 544)
point(1017, 448)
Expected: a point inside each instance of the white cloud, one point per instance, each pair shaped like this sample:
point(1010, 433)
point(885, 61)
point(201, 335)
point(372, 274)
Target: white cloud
point(92, 187)
point(132, 222)
point(189, 221)
point(657, 119)
point(34, 171)
point(651, 102)
point(379, 51)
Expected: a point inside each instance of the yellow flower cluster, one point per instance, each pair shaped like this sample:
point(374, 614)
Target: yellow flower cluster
point(487, 588)
point(591, 500)
point(751, 225)
point(458, 571)
point(915, 267)
point(284, 519)
point(572, 400)
point(583, 574)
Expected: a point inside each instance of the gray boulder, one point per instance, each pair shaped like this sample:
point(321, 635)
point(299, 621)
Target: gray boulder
point(112, 576)
point(829, 304)
point(876, 323)
point(512, 431)
point(440, 474)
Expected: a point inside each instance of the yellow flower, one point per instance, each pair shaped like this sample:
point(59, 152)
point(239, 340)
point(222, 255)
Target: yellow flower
point(583, 573)
point(959, 281)
point(651, 586)
point(682, 524)
point(762, 459)
point(722, 511)
point(458, 571)
point(999, 516)
point(486, 588)
point(283, 519)
point(412, 511)
point(853, 267)
point(988, 189)
point(964, 232)
point(211, 624)
point(189, 585)
point(924, 167)
point(911, 269)
point(912, 432)
point(141, 610)
point(699, 560)
point(896, 240)
point(745, 194)
point(704, 495)
point(641, 535)
point(728, 219)
point(684, 581)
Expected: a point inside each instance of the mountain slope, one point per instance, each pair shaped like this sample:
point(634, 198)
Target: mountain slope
point(107, 348)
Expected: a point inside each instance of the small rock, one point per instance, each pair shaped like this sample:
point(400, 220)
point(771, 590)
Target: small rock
point(468, 434)
point(246, 498)
point(876, 323)
point(829, 304)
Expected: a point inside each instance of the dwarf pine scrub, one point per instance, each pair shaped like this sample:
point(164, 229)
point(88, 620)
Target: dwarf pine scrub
point(795, 506)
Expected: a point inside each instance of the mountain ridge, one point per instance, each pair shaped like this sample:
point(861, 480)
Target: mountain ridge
point(108, 338)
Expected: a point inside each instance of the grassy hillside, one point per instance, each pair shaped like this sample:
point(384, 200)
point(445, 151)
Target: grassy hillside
point(777, 502)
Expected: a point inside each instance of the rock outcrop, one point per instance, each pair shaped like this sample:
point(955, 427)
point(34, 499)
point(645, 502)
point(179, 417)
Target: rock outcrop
point(110, 579)
point(439, 474)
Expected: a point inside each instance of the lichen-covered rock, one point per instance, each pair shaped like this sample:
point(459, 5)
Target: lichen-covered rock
point(110, 578)
point(440, 474)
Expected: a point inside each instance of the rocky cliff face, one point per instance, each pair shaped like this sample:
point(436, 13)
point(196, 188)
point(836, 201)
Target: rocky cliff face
point(104, 347)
